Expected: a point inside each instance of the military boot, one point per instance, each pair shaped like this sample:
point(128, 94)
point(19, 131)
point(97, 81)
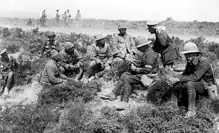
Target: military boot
point(174, 99)
point(6, 92)
point(126, 92)
point(191, 101)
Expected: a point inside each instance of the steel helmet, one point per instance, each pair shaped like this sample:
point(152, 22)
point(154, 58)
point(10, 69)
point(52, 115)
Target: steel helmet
point(143, 44)
point(68, 45)
point(50, 34)
point(122, 26)
point(152, 23)
point(190, 47)
point(100, 37)
point(3, 51)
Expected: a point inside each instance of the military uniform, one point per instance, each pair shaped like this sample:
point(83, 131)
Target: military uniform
point(124, 45)
point(165, 46)
point(51, 75)
point(69, 59)
point(197, 78)
point(50, 45)
point(149, 64)
point(8, 66)
point(57, 17)
point(43, 18)
point(100, 55)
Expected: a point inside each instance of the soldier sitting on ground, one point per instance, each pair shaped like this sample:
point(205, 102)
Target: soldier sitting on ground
point(71, 60)
point(197, 79)
point(101, 58)
point(8, 66)
point(52, 75)
point(50, 45)
point(124, 44)
point(124, 86)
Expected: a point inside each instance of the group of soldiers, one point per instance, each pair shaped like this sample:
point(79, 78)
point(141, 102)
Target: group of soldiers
point(197, 78)
point(66, 17)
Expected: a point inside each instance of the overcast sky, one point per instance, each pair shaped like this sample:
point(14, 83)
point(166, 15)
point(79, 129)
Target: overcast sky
point(186, 10)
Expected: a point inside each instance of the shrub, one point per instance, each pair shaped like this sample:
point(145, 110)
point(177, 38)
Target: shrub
point(199, 42)
point(70, 91)
point(29, 119)
point(76, 118)
point(109, 121)
point(169, 118)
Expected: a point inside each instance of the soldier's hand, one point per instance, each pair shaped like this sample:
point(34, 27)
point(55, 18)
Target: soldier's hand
point(102, 64)
point(133, 67)
point(172, 80)
point(79, 64)
point(64, 81)
point(98, 61)
point(73, 67)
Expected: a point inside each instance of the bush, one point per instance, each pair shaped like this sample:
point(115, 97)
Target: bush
point(70, 91)
point(199, 42)
point(169, 118)
point(76, 118)
point(29, 119)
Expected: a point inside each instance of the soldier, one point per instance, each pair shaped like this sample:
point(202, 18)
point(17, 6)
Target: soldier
point(50, 45)
point(65, 18)
point(124, 44)
point(71, 59)
point(78, 15)
point(57, 17)
point(43, 18)
point(197, 78)
point(164, 45)
point(8, 66)
point(101, 57)
point(149, 64)
point(68, 14)
point(52, 75)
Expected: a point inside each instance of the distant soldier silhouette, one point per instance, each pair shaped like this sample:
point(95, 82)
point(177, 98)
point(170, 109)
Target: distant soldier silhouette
point(57, 17)
point(68, 16)
point(78, 15)
point(65, 18)
point(43, 18)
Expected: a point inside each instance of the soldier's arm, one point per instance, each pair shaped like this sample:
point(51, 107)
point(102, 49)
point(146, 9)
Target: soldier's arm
point(162, 37)
point(132, 44)
point(110, 55)
point(63, 76)
point(43, 48)
point(93, 54)
point(197, 74)
point(142, 70)
point(77, 54)
point(51, 76)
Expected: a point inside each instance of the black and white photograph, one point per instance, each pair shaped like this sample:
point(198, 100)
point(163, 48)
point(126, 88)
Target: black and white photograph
point(109, 66)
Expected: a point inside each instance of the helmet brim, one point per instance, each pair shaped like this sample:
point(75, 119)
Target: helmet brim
point(187, 52)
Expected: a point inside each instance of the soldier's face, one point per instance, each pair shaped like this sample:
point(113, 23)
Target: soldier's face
point(122, 31)
point(51, 38)
point(190, 57)
point(101, 42)
point(70, 51)
point(151, 30)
